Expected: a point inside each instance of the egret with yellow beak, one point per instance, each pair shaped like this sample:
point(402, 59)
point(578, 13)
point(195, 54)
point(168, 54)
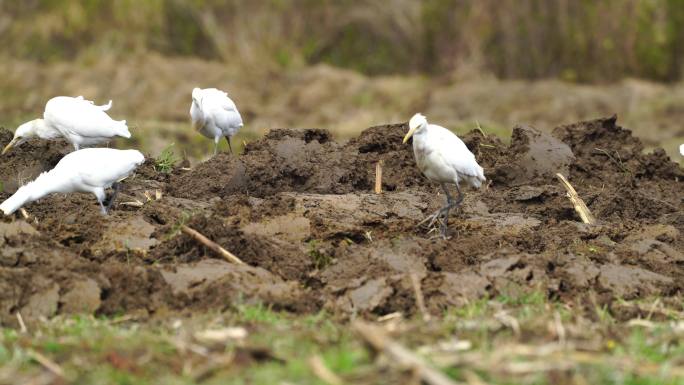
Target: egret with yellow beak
point(80, 121)
point(443, 157)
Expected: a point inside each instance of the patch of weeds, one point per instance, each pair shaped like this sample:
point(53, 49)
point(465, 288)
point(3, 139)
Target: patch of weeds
point(182, 221)
point(2, 187)
point(259, 313)
point(473, 309)
point(534, 298)
point(318, 257)
point(165, 162)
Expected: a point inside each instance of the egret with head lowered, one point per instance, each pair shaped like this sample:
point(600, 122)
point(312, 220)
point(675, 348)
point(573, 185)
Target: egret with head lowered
point(443, 157)
point(89, 170)
point(214, 115)
point(80, 121)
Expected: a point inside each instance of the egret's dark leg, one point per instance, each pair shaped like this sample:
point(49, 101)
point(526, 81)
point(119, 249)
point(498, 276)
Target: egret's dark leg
point(451, 203)
point(229, 146)
point(116, 186)
point(431, 219)
point(446, 210)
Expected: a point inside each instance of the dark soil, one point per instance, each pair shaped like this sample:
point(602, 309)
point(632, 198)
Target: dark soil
point(298, 208)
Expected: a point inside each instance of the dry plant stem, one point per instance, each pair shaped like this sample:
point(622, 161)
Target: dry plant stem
point(420, 300)
point(47, 363)
point(378, 177)
point(322, 372)
point(579, 204)
point(215, 247)
point(22, 325)
point(24, 213)
point(378, 339)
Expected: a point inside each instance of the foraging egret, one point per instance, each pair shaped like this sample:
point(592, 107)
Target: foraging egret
point(88, 170)
point(442, 157)
point(79, 121)
point(214, 115)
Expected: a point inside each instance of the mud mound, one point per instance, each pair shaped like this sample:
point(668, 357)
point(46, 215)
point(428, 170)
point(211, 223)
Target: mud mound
point(25, 162)
point(287, 160)
point(299, 209)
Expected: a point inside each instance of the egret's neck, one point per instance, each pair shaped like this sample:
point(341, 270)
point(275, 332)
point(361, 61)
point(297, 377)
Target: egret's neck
point(419, 136)
point(198, 120)
point(43, 130)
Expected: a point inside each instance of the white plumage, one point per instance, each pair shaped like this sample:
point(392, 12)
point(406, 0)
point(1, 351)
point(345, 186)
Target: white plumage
point(681, 149)
point(214, 115)
point(88, 170)
point(443, 157)
point(80, 121)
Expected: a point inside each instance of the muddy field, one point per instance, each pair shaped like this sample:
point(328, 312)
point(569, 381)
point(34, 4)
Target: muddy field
point(299, 209)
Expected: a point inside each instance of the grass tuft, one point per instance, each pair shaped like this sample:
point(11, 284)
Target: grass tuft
point(165, 162)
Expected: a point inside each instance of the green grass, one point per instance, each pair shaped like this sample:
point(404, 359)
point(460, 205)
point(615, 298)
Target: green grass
point(166, 160)
point(319, 258)
point(279, 345)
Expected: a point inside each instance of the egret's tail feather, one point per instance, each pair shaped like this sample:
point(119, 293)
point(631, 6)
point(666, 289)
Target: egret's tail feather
point(106, 107)
point(122, 129)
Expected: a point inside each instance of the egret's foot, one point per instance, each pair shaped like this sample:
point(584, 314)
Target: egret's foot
point(443, 230)
point(432, 218)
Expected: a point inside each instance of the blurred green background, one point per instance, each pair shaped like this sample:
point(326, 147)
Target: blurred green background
point(346, 65)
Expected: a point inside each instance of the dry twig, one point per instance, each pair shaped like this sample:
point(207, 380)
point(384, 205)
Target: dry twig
point(215, 247)
point(420, 300)
point(47, 363)
point(378, 339)
point(22, 325)
point(322, 372)
point(378, 177)
point(579, 204)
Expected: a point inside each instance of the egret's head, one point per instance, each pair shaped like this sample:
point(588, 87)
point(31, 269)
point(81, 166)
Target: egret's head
point(23, 133)
point(417, 123)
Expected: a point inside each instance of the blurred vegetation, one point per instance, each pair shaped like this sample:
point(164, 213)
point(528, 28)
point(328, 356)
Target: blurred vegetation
point(576, 40)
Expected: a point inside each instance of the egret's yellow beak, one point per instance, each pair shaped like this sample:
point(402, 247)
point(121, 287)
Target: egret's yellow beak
point(9, 145)
point(409, 135)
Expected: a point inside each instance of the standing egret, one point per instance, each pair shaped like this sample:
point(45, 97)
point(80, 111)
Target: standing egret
point(442, 157)
point(79, 121)
point(214, 115)
point(88, 170)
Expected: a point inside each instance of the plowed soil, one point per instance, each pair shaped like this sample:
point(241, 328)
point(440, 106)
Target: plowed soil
point(299, 209)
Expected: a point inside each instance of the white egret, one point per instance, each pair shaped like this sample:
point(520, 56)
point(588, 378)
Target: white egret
point(214, 115)
point(79, 121)
point(443, 157)
point(88, 170)
point(681, 149)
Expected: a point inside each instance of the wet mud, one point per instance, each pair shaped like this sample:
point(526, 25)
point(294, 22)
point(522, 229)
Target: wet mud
point(298, 208)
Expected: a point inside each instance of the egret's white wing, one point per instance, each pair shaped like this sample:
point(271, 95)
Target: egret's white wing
point(219, 108)
point(454, 152)
point(213, 98)
point(81, 117)
point(99, 167)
